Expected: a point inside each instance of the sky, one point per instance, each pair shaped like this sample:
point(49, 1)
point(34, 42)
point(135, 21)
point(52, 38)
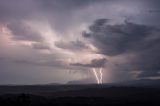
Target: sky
point(61, 41)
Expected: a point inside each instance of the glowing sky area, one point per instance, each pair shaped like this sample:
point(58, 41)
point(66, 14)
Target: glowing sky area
point(61, 41)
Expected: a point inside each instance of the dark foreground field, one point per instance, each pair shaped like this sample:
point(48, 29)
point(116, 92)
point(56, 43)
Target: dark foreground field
point(76, 95)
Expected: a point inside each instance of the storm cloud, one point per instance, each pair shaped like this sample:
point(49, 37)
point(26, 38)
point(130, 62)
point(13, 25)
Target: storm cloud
point(94, 63)
point(140, 40)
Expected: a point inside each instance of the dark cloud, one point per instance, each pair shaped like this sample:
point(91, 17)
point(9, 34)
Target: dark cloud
point(72, 45)
point(23, 32)
point(47, 63)
point(17, 10)
point(127, 37)
point(121, 39)
point(40, 46)
point(64, 5)
point(98, 25)
point(150, 73)
point(94, 63)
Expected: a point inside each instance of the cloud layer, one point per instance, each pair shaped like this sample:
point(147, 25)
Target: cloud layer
point(94, 63)
point(128, 38)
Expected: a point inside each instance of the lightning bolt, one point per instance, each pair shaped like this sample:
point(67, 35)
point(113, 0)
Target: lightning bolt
point(95, 73)
point(101, 75)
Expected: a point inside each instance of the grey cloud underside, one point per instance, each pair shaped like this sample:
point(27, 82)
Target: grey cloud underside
point(17, 10)
point(120, 39)
point(72, 45)
point(117, 39)
point(63, 4)
point(23, 32)
point(53, 63)
point(150, 73)
point(28, 9)
point(62, 14)
point(40, 46)
point(36, 59)
point(97, 63)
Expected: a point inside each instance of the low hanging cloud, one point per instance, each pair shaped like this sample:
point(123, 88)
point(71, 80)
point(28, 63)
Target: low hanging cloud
point(118, 39)
point(20, 31)
point(72, 45)
point(128, 38)
point(94, 63)
point(48, 63)
point(41, 46)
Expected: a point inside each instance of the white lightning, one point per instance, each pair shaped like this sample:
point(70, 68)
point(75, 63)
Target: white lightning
point(95, 73)
point(99, 77)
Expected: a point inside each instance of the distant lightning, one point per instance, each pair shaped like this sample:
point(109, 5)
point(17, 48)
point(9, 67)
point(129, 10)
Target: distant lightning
point(100, 78)
point(101, 75)
point(95, 73)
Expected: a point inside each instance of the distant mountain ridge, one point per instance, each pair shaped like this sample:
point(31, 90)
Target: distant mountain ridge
point(141, 83)
point(138, 83)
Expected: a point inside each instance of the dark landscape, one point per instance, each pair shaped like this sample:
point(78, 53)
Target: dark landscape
point(78, 95)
